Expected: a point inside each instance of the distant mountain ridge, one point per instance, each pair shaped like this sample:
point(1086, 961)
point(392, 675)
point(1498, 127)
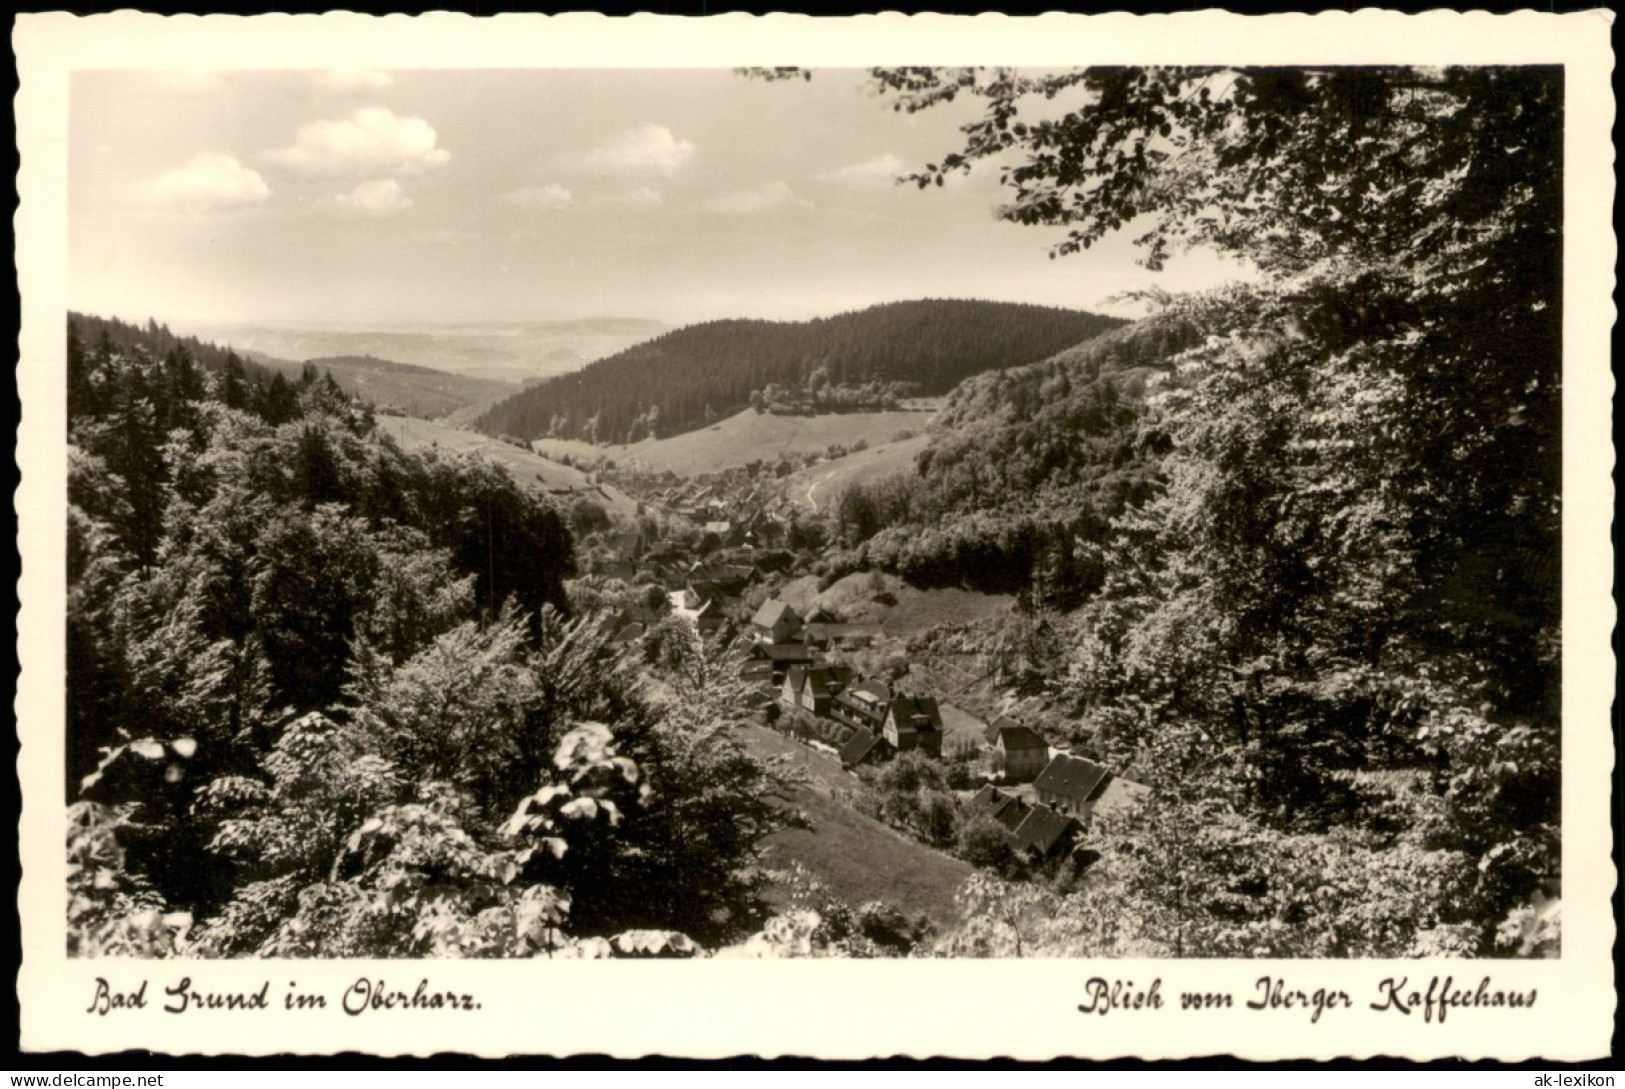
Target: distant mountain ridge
point(510, 352)
point(693, 376)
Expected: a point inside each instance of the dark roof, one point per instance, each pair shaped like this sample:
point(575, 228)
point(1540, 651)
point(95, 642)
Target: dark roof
point(859, 747)
point(988, 798)
point(1071, 777)
point(876, 691)
point(772, 611)
point(1042, 829)
point(991, 734)
point(1008, 809)
point(906, 710)
point(1012, 812)
point(1019, 737)
point(820, 678)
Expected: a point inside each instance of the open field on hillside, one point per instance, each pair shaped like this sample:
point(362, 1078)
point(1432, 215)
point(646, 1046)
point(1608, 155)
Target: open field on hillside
point(853, 597)
point(824, 771)
point(524, 466)
point(959, 723)
point(858, 858)
point(819, 486)
point(750, 436)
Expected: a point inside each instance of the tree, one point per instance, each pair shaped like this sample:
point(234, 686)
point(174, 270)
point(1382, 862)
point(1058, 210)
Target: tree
point(279, 403)
point(985, 844)
point(233, 386)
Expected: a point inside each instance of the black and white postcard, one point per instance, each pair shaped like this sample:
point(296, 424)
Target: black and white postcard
point(927, 536)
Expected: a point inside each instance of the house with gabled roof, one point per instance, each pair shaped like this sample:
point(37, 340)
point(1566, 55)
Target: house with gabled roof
point(1013, 751)
point(1067, 782)
point(1008, 809)
point(863, 745)
point(795, 679)
point(1044, 832)
point(775, 622)
point(991, 733)
point(1077, 787)
point(778, 658)
point(864, 705)
point(813, 688)
point(718, 579)
point(913, 722)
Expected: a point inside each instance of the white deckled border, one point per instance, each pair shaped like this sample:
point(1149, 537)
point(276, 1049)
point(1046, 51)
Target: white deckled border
point(832, 1009)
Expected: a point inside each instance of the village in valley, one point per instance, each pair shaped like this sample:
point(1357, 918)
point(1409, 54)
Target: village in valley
point(713, 556)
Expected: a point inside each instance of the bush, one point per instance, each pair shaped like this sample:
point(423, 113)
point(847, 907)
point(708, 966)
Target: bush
point(937, 817)
point(984, 843)
point(960, 775)
point(890, 929)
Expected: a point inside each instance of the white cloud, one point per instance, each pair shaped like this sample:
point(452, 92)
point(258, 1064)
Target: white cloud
point(540, 198)
point(877, 173)
point(765, 198)
point(371, 141)
point(651, 149)
point(379, 199)
point(346, 81)
point(208, 182)
point(641, 197)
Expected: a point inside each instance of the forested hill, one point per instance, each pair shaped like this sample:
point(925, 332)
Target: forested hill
point(233, 542)
point(1024, 465)
point(424, 392)
point(106, 336)
point(687, 378)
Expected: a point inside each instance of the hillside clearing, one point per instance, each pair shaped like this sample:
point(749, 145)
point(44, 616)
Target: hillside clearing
point(858, 858)
point(819, 486)
point(564, 482)
point(853, 599)
point(751, 436)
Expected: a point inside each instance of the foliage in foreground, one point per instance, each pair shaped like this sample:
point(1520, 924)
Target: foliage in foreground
point(1329, 628)
point(323, 701)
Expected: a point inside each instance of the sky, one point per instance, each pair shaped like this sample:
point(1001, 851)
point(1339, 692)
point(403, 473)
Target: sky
point(392, 199)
